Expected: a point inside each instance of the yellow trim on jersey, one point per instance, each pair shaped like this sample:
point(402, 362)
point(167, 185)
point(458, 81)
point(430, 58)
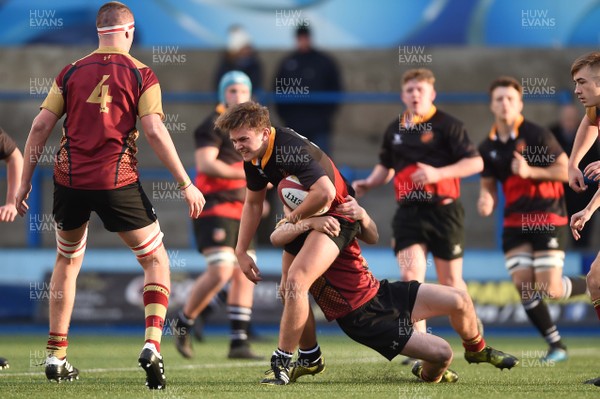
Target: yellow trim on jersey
point(493, 135)
point(592, 114)
point(116, 50)
point(269, 152)
point(416, 119)
point(54, 101)
point(151, 102)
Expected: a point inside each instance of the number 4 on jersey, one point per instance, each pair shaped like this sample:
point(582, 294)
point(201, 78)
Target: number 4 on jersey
point(100, 95)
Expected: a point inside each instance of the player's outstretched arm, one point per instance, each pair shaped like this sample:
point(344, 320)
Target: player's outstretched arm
point(160, 141)
point(38, 135)
point(368, 229)
point(251, 214)
point(488, 196)
point(584, 139)
point(285, 232)
point(379, 176)
point(579, 219)
point(14, 169)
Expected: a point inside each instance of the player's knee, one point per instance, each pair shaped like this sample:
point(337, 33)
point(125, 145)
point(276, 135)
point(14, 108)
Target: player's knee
point(296, 286)
point(442, 354)
point(71, 249)
point(463, 301)
point(150, 248)
point(516, 262)
point(593, 284)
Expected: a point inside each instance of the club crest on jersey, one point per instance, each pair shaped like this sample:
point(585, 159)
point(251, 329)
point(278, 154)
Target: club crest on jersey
point(553, 243)
point(426, 137)
point(493, 154)
point(520, 145)
point(397, 139)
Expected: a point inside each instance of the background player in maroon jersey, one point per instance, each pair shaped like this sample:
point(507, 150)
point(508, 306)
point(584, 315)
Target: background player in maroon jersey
point(271, 154)
point(220, 173)
point(531, 166)
point(585, 72)
point(426, 152)
point(380, 314)
point(10, 154)
point(102, 95)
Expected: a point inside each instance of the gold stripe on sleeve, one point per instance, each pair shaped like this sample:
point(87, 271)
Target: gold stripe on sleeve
point(151, 102)
point(54, 101)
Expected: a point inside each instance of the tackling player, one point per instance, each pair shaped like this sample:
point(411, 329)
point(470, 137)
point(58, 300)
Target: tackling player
point(102, 95)
point(380, 314)
point(531, 166)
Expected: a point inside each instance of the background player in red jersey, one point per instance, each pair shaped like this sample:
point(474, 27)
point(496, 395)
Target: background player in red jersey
point(271, 154)
point(531, 166)
point(585, 72)
point(426, 152)
point(380, 314)
point(102, 95)
point(10, 154)
point(221, 175)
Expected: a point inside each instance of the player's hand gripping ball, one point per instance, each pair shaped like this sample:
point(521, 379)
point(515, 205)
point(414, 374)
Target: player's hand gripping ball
point(292, 193)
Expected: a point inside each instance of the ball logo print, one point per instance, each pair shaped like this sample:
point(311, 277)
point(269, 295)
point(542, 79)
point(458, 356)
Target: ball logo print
point(292, 193)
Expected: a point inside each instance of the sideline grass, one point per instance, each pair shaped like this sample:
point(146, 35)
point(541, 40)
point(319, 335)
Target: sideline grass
point(108, 367)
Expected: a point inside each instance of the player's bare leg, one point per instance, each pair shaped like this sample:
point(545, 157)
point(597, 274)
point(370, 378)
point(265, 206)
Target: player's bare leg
point(206, 286)
point(239, 303)
point(316, 255)
point(146, 243)
point(71, 246)
point(413, 265)
point(437, 300)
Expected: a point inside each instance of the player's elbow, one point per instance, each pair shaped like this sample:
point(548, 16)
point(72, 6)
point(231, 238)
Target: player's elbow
point(153, 127)
point(476, 165)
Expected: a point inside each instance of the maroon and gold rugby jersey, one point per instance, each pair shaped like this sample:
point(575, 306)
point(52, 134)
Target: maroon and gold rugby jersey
point(102, 95)
point(437, 139)
point(533, 202)
point(7, 144)
point(224, 197)
point(346, 285)
point(289, 153)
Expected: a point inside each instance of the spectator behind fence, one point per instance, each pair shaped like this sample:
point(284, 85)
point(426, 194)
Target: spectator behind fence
point(240, 56)
point(302, 73)
point(564, 130)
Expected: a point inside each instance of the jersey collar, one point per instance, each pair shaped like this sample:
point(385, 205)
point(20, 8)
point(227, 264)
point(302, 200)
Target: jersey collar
point(110, 50)
point(493, 135)
point(262, 162)
point(416, 119)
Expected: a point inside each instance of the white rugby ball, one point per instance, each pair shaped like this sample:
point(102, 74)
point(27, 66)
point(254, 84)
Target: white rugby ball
point(292, 193)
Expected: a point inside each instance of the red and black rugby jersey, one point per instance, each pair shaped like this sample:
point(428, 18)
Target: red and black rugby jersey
point(438, 140)
point(526, 200)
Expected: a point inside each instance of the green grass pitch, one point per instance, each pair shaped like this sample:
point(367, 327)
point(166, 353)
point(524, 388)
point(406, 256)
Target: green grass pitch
point(108, 367)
